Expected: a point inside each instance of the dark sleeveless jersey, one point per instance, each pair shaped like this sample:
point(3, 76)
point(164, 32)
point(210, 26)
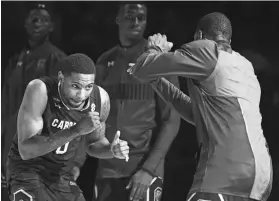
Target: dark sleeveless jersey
point(54, 166)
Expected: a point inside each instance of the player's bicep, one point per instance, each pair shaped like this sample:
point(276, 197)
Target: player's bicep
point(99, 134)
point(30, 121)
point(105, 105)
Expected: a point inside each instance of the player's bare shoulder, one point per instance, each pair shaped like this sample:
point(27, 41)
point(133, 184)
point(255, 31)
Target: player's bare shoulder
point(105, 104)
point(35, 97)
point(35, 88)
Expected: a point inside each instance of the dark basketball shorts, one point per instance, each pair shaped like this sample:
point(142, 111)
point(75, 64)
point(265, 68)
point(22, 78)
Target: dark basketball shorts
point(200, 196)
point(37, 191)
point(111, 189)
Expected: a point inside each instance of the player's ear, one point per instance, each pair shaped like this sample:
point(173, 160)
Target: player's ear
point(201, 35)
point(198, 35)
point(51, 27)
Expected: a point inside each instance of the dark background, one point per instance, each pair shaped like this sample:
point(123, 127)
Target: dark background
point(89, 27)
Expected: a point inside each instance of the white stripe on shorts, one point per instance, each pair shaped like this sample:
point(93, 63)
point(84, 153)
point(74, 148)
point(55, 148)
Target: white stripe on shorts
point(221, 197)
point(190, 198)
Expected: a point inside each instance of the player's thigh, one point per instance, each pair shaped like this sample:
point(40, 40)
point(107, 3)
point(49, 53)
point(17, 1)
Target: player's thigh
point(154, 192)
point(215, 197)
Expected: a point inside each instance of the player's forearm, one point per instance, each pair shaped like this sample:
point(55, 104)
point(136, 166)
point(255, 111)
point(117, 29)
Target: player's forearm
point(162, 144)
point(195, 60)
point(175, 98)
point(154, 63)
point(40, 144)
point(100, 149)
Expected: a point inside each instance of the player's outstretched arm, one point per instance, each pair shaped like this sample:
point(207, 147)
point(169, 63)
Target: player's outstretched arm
point(195, 60)
point(97, 144)
point(174, 97)
point(31, 141)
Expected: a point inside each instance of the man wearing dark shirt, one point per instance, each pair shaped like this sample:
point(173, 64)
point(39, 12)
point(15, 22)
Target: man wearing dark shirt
point(145, 121)
point(37, 59)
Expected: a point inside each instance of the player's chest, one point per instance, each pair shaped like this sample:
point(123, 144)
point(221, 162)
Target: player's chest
point(116, 69)
point(58, 117)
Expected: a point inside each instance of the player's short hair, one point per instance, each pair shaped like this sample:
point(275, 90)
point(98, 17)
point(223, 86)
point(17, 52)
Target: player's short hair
point(121, 4)
point(40, 6)
point(214, 24)
point(76, 63)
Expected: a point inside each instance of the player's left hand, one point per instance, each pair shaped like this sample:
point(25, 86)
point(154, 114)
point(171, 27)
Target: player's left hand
point(120, 148)
point(160, 41)
point(139, 184)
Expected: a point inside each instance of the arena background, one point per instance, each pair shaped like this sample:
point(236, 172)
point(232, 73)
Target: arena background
point(89, 27)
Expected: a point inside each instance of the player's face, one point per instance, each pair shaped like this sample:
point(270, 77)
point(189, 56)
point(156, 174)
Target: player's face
point(38, 24)
point(132, 20)
point(77, 88)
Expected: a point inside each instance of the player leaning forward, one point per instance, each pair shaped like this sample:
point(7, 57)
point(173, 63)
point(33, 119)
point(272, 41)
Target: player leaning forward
point(59, 119)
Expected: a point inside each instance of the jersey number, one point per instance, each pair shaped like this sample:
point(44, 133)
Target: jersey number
point(63, 149)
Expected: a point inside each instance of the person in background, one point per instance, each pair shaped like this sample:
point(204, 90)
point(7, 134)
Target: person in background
point(145, 121)
point(37, 59)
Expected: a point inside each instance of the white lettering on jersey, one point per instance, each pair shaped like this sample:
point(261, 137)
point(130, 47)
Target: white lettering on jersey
point(62, 124)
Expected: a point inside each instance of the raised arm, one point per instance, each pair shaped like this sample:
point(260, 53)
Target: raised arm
point(31, 141)
point(195, 60)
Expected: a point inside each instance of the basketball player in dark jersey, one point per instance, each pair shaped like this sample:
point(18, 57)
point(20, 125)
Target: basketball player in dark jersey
point(58, 121)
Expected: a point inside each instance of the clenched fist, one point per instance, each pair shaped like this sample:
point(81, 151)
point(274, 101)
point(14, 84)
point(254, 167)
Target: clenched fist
point(160, 41)
point(120, 148)
point(88, 123)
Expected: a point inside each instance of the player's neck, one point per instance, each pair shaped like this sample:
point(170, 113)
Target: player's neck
point(129, 42)
point(33, 43)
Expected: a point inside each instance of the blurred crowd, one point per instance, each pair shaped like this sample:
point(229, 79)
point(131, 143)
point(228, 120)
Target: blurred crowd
point(90, 28)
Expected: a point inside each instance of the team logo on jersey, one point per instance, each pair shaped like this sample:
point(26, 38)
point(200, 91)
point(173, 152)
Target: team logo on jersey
point(157, 194)
point(19, 64)
point(110, 64)
point(93, 107)
point(41, 63)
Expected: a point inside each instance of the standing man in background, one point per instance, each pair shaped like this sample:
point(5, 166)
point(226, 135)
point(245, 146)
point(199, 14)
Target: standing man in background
point(145, 121)
point(37, 59)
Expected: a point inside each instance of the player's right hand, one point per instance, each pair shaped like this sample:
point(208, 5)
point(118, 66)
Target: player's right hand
point(88, 123)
